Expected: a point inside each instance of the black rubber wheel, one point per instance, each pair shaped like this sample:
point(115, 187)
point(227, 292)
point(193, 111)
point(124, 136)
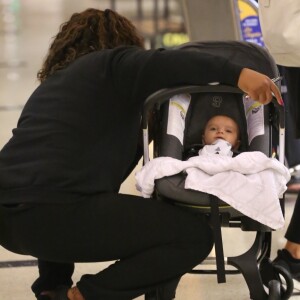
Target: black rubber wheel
point(274, 290)
point(270, 271)
point(288, 290)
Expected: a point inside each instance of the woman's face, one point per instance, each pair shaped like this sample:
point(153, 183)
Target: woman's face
point(221, 127)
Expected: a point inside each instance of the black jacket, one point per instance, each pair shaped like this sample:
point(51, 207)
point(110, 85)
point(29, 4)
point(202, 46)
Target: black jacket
point(78, 132)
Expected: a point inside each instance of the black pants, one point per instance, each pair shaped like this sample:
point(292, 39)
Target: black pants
point(292, 234)
point(292, 77)
point(153, 242)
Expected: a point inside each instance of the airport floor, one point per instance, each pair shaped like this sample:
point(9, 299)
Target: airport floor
point(26, 29)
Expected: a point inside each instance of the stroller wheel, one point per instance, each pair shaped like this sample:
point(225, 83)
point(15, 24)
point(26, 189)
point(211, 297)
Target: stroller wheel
point(271, 272)
point(274, 290)
point(288, 290)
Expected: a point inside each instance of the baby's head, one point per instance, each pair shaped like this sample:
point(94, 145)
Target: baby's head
point(222, 127)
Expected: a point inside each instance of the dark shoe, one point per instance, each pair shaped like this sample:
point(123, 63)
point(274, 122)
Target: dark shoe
point(60, 293)
point(285, 260)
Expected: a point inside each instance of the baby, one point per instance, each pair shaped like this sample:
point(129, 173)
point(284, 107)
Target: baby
point(221, 135)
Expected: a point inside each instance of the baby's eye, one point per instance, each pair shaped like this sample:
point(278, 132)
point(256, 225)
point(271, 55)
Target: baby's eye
point(212, 128)
point(229, 131)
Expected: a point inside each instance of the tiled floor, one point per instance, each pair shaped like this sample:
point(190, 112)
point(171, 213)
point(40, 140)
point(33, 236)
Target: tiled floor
point(26, 28)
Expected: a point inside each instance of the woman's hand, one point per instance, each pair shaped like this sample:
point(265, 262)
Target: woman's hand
point(258, 86)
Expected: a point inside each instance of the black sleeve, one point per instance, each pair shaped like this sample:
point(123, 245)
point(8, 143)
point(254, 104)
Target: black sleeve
point(147, 71)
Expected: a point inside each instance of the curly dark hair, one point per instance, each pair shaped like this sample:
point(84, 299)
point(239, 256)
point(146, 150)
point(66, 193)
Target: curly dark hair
point(85, 32)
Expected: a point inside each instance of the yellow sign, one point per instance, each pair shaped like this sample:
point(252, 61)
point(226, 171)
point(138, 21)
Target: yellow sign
point(246, 10)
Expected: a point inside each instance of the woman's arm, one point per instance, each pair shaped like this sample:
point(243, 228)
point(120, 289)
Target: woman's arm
point(259, 87)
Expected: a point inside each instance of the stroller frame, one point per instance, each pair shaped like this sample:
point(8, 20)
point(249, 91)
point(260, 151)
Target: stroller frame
point(250, 263)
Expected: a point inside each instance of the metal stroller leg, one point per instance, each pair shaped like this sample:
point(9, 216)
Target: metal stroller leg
point(215, 220)
point(247, 265)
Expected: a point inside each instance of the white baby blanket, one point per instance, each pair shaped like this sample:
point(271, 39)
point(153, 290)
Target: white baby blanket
point(251, 182)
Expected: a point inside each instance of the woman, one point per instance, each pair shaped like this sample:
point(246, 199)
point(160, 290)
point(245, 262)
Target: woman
point(75, 143)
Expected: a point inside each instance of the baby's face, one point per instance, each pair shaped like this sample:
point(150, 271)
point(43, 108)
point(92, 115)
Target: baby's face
point(221, 127)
